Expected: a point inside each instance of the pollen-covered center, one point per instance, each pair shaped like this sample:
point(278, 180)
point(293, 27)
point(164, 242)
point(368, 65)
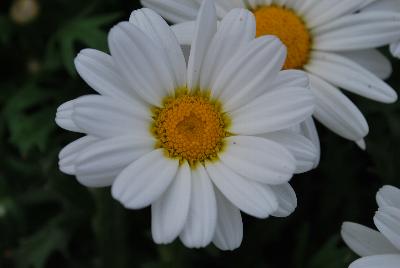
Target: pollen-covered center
point(190, 127)
point(291, 30)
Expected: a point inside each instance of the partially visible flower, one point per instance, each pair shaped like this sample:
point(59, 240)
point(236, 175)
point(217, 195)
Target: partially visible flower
point(328, 39)
point(24, 11)
point(386, 5)
point(198, 142)
point(377, 249)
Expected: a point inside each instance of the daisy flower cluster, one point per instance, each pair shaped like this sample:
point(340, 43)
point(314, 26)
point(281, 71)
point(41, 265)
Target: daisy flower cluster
point(212, 117)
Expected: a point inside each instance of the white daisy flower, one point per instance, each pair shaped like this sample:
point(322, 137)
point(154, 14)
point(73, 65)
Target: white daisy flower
point(384, 6)
point(198, 142)
point(377, 249)
point(324, 38)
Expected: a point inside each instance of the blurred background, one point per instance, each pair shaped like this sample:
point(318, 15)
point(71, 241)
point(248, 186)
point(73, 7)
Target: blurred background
point(48, 220)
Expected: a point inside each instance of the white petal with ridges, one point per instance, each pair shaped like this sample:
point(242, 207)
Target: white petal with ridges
point(142, 183)
point(336, 111)
point(69, 154)
point(273, 111)
point(358, 31)
point(258, 159)
point(346, 74)
point(287, 200)
point(174, 10)
point(365, 241)
point(229, 231)
point(99, 164)
point(372, 60)
point(377, 261)
point(142, 63)
point(300, 147)
point(236, 30)
point(159, 31)
point(201, 222)
point(169, 212)
point(100, 73)
point(387, 220)
point(107, 117)
point(249, 73)
point(249, 196)
point(388, 196)
point(206, 27)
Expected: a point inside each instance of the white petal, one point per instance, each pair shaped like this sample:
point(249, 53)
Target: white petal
point(250, 72)
point(331, 13)
point(383, 5)
point(159, 31)
point(174, 10)
point(142, 183)
point(184, 32)
point(377, 261)
point(142, 63)
point(250, 197)
point(361, 144)
point(372, 60)
point(229, 231)
point(273, 111)
point(202, 218)
point(64, 117)
point(206, 27)
point(169, 213)
point(100, 163)
point(388, 196)
point(387, 220)
point(309, 130)
point(358, 31)
point(107, 117)
point(236, 30)
point(300, 147)
point(100, 73)
point(364, 241)
point(287, 200)
point(70, 153)
point(337, 112)
point(291, 78)
point(346, 74)
point(258, 159)
point(395, 49)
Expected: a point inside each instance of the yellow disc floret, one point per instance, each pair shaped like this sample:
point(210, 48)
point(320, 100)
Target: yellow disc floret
point(190, 127)
point(291, 30)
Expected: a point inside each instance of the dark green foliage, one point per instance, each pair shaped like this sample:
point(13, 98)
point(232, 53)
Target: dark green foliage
point(48, 220)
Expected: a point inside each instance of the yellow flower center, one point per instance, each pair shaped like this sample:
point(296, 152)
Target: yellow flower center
point(190, 127)
point(291, 30)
